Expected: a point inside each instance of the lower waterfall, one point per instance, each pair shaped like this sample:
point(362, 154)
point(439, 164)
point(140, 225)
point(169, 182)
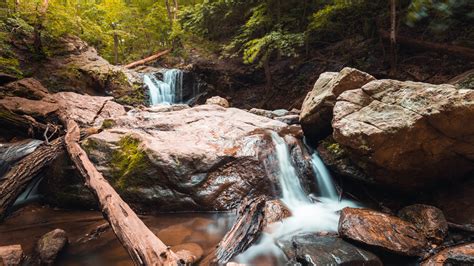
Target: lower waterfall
point(166, 91)
point(306, 216)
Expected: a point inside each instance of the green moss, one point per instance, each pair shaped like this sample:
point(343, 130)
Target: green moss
point(333, 147)
point(130, 163)
point(108, 123)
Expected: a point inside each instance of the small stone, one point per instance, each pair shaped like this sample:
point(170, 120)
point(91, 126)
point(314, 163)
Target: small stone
point(49, 246)
point(217, 100)
point(11, 255)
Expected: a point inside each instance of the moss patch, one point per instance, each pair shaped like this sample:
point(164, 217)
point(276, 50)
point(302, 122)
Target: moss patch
point(108, 123)
point(130, 163)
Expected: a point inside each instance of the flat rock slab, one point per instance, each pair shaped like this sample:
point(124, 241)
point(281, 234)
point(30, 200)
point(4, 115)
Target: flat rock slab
point(311, 249)
point(382, 230)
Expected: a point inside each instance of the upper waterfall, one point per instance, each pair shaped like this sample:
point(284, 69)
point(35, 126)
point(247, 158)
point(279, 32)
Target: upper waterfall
point(167, 91)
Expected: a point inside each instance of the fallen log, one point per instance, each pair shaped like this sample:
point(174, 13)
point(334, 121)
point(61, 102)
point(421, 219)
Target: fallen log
point(142, 245)
point(455, 50)
point(244, 232)
point(20, 125)
point(20, 175)
point(148, 59)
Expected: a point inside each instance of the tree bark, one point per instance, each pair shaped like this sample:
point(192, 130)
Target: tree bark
point(41, 13)
point(20, 125)
point(455, 50)
point(142, 245)
point(245, 231)
point(168, 10)
point(18, 178)
point(393, 37)
point(148, 59)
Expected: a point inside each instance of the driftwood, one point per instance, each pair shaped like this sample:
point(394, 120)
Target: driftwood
point(21, 125)
point(246, 230)
point(454, 50)
point(20, 175)
point(142, 245)
point(148, 59)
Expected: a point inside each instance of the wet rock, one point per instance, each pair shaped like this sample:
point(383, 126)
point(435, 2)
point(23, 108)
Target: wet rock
point(289, 119)
point(407, 135)
point(27, 88)
point(49, 246)
point(262, 112)
point(280, 112)
point(189, 252)
point(310, 249)
point(275, 211)
point(337, 159)
point(457, 255)
point(167, 108)
point(217, 100)
point(11, 255)
point(201, 158)
point(317, 109)
point(175, 234)
point(428, 219)
point(383, 231)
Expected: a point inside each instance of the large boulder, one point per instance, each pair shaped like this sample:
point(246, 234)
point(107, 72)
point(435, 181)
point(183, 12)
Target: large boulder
point(76, 66)
point(382, 231)
point(430, 220)
point(316, 112)
point(202, 158)
point(407, 134)
point(27, 88)
point(311, 249)
point(457, 255)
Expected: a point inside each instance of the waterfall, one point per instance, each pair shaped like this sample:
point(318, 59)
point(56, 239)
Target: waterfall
point(168, 91)
point(292, 192)
point(306, 217)
point(324, 179)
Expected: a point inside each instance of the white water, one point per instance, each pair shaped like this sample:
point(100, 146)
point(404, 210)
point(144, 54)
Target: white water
point(168, 91)
point(306, 216)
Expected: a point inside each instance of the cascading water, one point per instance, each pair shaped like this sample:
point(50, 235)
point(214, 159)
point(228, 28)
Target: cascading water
point(168, 91)
point(306, 216)
point(324, 179)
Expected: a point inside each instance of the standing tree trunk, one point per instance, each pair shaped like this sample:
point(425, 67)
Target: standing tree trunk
point(168, 10)
point(268, 74)
point(393, 37)
point(116, 43)
point(176, 9)
point(40, 15)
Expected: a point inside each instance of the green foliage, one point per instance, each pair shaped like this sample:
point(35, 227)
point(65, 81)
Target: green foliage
point(440, 15)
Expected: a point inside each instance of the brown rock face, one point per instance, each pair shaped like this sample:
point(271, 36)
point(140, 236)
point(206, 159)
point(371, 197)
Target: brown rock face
point(458, 255)
point(217, 100)
point(11, 255)
point(202, 158)
point(382, 230)
point(428, 219)
point(275, 211)
point(407, 134)
point(49, 246)
point(317, 110)
point(27, 88)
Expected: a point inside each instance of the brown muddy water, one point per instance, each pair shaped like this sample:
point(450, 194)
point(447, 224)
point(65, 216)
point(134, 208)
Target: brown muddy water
point(28, 224)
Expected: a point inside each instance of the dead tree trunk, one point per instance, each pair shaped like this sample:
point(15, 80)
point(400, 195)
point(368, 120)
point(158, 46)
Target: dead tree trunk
point(146, 60)
point(245, 231)
point(22, 125)
point(18, 178)
point(393, 37)
point(142, 245)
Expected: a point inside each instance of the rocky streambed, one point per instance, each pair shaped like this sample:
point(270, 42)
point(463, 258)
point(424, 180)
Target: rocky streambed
point(396, 149)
